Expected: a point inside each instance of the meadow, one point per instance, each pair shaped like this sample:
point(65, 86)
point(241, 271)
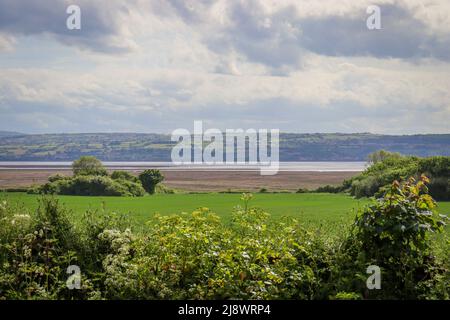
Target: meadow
point(313, 209)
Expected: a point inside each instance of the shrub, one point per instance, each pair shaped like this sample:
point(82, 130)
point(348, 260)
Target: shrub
point(329, 189)
point(35, 251)
point(393, 234)
point(92, 186)
point(163, 189)
point(150, 178)
point(57, 177)
point(88, 166)
point(124, 175)
point(387, 168)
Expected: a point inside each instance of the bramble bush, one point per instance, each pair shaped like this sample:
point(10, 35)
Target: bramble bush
point(196, 256)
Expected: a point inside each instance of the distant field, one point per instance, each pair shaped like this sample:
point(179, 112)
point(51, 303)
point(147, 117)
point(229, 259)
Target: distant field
point(312, 209)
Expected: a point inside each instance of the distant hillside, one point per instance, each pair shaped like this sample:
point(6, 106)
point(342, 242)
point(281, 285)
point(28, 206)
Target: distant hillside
point(157, 147)
point(9, 134)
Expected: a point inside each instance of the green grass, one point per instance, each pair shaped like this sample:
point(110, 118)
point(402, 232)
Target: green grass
point(313, 208)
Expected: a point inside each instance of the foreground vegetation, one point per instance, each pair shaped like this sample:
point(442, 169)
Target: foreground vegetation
point(199, 256)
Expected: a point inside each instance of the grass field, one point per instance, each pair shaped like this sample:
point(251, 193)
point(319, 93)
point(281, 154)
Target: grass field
point(314, 208)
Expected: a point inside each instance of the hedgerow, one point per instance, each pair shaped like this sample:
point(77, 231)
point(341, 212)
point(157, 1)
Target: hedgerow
point(197, 256)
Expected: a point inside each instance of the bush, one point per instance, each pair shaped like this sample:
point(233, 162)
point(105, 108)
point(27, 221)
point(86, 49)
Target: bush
point(88, 166)
point(387, 168)
point(92, 186)
point(124, 175)
point(163, 189)
point(35, 250)
point(57, 177)
point(394, 234)
point(150, 178)
point(440, 188)
point(329, 189)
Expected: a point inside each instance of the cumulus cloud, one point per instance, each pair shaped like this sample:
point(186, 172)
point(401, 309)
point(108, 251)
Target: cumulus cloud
point(6, 43)
point(305, 66)
point(280, 35)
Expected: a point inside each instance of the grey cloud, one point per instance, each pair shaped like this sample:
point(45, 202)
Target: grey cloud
point(402, 36)
point(270, 40)
point(281, 38)
point(100, 23)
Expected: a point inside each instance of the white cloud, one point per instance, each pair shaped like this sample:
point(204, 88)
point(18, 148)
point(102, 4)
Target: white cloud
point(260, 63)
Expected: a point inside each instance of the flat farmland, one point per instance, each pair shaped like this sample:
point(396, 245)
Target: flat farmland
point(315, 209)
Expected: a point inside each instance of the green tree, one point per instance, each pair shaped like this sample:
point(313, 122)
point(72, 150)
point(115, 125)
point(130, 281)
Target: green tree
point(381, 155)
point(150, 178)
point(88, 166)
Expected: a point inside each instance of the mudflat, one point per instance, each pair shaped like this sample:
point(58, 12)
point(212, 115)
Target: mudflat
point(193, 180)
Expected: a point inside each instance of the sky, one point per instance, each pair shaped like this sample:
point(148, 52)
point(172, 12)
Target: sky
point(154, 66)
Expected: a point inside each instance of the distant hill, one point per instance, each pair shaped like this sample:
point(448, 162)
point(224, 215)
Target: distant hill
point(157, 147)
point(9, 134)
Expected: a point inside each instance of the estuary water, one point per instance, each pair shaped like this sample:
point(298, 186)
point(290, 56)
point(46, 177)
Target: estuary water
point(317, 166)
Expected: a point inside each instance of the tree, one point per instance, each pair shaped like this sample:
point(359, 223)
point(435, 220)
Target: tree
point(150, 178)
point(88, 166)
point(381, 155)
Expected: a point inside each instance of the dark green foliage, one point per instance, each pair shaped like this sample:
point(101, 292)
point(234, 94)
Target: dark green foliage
point(163, 189)
point(35, 251)
point(124, 175)
point(90, 178)
point(57, 177)
point(88, 166)
point(91, 186)
point(150, 178)
point(382, 155)
point(329, 189)
point(393, 234)
point(376, 178)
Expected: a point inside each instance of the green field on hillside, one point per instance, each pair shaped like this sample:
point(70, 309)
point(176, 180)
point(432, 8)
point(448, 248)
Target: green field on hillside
point(313, 209)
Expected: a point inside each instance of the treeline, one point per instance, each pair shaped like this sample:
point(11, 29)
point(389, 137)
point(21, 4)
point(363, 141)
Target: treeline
point(157, 147)
point(388, 166)
point(90, 178)
point(385, 166)
point(196, 256)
